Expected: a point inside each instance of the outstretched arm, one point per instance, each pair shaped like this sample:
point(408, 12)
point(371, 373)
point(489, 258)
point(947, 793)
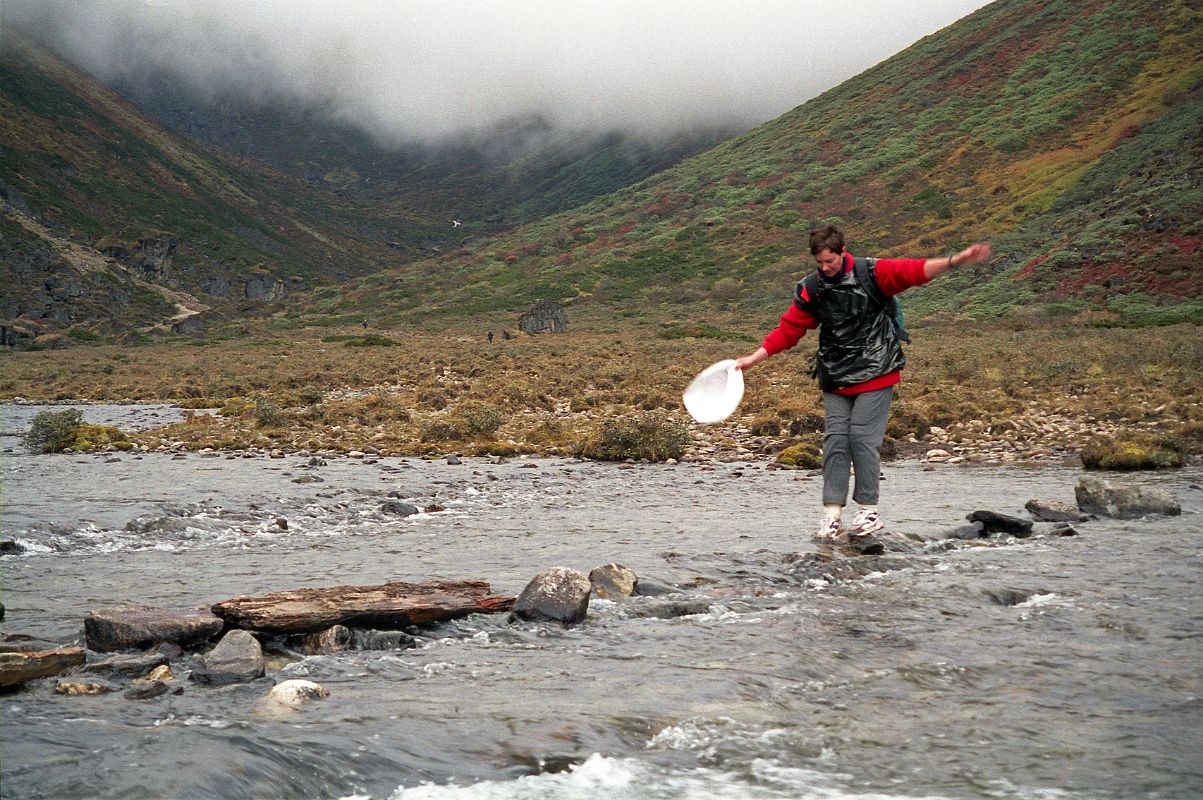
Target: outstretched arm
point(973, 254)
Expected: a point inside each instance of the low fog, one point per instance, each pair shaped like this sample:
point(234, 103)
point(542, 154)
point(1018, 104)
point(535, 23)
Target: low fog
point(423, 71)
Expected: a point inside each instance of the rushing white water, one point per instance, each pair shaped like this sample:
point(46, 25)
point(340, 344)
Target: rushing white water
point(1042, 668)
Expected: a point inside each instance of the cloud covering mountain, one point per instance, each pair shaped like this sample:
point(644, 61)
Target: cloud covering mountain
point(424, 70)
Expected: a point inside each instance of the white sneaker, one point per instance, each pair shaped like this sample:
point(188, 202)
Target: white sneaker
point(829, 528)
point(865, 522)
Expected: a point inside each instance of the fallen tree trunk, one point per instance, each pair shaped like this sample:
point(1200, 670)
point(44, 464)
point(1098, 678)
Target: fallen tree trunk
point(391, 606)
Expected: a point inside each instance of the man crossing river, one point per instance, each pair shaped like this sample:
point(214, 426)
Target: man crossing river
point(859, 361)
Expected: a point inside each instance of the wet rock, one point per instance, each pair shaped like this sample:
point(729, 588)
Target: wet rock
point(1002, 523)
point(1064, 529)
point(339, 638)
point(1054, 511)
point(309, 479)
point(559, 595)
point(296, 693)
point(668, 609)
point(1123, 501)
point(159, 673)
point(833, 569)
point(25, 643)
point(19, 668)
point(237, 658)
point(1008, 597)
point(862, 545)
point(399, 508)
point(125, 666)
point(147, 691)
point(974, 530)
point(10, 548)
point(134, 626)
point(454, 461)
point(650, 588)
point(612, 581)
point(77, 688)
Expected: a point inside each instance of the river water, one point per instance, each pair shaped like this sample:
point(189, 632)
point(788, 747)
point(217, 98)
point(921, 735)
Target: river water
point(1051, 667)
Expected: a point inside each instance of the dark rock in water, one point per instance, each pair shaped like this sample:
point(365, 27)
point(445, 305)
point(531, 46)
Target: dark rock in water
point(559, 595)
point(649, 588)
point(612, 581)
point(18, 668)
point(135, 626)
point(309, 479)
point(1064, 529)
point(396, 605)
point(237, 658)
point(1097, 496)
point(25, 643)
point(454, 461)
point(668, 609)
point(1008, 597)
point(399, 508)
point(147, 691)
point(1, 610)
point(339, 638)
point(1054, 511)
point(1002, 523)
point(125, 666)
point(10, 548)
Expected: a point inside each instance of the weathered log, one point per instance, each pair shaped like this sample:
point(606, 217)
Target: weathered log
point(18, 668)
point(391, 606)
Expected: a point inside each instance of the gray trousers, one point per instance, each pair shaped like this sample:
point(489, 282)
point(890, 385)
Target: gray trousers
point(855, 427)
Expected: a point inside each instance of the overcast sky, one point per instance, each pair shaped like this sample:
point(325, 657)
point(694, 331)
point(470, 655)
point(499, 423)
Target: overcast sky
point(421, 70)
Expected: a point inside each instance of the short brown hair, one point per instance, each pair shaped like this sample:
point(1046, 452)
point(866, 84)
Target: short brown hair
point(828, 237)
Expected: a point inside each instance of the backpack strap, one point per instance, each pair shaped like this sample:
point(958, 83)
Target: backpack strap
point(813, 287)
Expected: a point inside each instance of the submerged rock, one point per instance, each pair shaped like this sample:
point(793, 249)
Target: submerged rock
point(399, 508)
point(77, 688)
point(296, 693)
point(238, 657)
point(559, 595)
point(339, 638)
point(613, 580)
point(134, 626)
point(1123, 501)
point(147, 691)
point(126, 666)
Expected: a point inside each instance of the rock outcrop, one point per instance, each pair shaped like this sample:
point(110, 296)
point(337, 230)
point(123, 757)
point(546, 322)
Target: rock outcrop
point(544, 316)
point(558, 595)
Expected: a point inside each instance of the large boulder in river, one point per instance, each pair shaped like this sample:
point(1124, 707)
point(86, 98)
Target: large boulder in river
point(559, 595)
point(133, 626)
point(1123, 501)
point(613, 580)
point(238, 657)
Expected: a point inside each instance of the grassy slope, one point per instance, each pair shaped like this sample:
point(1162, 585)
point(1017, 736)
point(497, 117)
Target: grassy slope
point(91, 165)
point(1066, 132)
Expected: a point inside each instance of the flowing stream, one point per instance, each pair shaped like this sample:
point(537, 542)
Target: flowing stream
point(1048, 667)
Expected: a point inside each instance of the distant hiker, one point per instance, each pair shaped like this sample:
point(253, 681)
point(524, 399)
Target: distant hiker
point(858, 362)
point(490, 337)
point(365, 324)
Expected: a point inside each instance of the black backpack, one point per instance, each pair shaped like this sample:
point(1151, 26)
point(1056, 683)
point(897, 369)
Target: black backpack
point(862, 268)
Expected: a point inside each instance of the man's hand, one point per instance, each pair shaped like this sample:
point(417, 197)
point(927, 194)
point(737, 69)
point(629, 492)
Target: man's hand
point(751, 360)
point(973, 254)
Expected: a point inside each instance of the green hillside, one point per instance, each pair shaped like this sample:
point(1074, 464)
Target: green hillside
point(1068, 133)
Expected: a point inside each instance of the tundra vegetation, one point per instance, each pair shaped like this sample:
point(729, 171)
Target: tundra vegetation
point(617, 394)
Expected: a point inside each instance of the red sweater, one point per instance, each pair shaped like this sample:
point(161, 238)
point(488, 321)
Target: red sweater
point(894, 275)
